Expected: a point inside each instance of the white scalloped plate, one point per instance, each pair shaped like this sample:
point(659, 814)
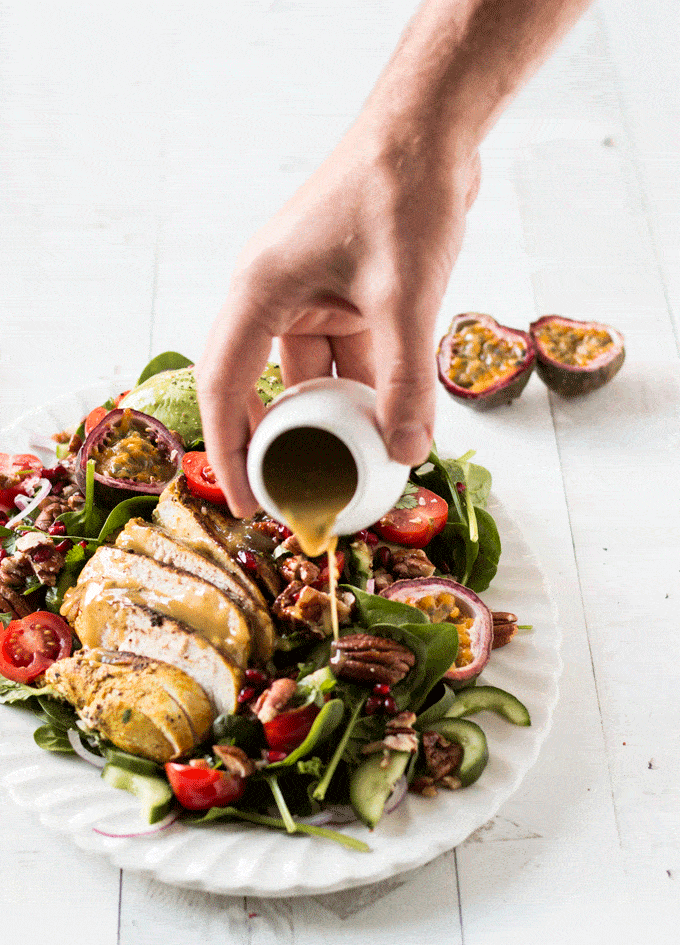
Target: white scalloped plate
point(70, 797)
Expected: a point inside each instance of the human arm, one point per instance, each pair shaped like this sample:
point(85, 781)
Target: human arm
point(353, 268)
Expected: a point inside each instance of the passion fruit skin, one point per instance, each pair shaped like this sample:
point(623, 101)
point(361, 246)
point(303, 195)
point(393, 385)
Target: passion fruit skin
point(501, 392)
point(571, 380)
point(470, 605)
point(109, 491)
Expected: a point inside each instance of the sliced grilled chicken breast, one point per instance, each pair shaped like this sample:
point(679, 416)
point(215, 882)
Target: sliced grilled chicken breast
point(168, 591)
point(154, 541)
point(112, 621)
point(185, 517)
point(143, 706)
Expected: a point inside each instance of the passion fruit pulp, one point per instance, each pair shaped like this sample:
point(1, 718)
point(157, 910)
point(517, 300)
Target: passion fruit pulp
point(576, 357)
point(445, 601)
point(134, 454)
point(482, 363)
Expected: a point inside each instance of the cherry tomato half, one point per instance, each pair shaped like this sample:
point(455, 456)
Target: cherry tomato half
point(94, 417)
point(201, 477)
point(28, 646)
point(289, 729)
point(198, 788)
point(414, 527)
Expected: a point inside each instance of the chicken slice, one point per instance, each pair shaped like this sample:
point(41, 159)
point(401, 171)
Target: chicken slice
point(168, 591)
point(143, 706)
point(155, 542)
point(112, 621)
point(185, 517)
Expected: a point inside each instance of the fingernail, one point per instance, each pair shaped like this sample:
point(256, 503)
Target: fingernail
point(409, 444)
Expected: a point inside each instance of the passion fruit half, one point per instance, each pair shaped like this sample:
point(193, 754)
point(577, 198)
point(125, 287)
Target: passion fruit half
point(446, 601)
point(482, 363)
point(134, 454)
point(576, 357)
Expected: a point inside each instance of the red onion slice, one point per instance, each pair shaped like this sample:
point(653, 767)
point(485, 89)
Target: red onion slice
point(82, 751)
point(397, 796)
point(167, 821)
point(44, 486)
point(370, 586)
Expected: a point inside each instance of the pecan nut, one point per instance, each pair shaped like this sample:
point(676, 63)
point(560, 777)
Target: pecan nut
point(504, 628)
point(363, 658)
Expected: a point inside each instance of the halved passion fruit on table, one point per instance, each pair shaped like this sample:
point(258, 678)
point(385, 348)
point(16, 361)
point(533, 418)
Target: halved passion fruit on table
point(134, 454)
point(446, 601)
point(483, 363)
point(576, 357)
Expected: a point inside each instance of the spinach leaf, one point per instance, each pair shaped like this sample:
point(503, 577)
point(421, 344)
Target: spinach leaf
point(86, 522)
point(167, 361)
point(59, 714)
point(241, 731)
point(438, 708)
point(120, 515)
point(53, 738)
point(328, 719)
point(435, 646)
point(5, 620)
point(486, 562)
point(373, 609)
point(18, 692)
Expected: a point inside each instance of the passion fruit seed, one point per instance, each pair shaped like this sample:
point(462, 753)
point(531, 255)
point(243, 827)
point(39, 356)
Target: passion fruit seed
point(483, 363)
point(572, 344)
point(442, 608)
point(480, 358)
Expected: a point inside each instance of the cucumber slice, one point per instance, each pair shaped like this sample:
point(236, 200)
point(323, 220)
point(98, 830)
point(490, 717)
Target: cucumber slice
point(472, 740)
point(133, 763)
point(371, 784)
point(495, 700)
point(154, 793)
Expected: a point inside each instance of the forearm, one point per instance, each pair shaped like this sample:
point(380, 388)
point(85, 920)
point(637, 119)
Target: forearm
point(459, 63)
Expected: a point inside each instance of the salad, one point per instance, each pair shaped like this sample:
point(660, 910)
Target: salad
point(246, 710)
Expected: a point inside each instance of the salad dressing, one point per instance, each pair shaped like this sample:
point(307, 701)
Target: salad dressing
point(312, 476)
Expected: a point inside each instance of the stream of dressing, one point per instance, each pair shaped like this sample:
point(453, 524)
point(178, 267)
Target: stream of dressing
point(311, 476)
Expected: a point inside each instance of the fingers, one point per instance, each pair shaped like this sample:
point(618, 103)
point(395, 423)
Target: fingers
point(304, 357)
point(354, 357)
point(235, 354)
point(406, 386)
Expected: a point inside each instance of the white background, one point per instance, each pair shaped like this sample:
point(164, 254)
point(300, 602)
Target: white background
point(140, 145)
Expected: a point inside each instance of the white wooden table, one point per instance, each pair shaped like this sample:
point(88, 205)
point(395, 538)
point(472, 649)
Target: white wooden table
point(142, 143)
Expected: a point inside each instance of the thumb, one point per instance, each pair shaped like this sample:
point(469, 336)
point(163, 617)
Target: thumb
point(406, 389)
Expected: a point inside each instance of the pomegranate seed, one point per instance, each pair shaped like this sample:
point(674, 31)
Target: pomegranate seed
point(373, 705)
point(58, 487)
point(3, 554)
point(254, 677)
point(55, 472)
point(83, 545)
point(273, 755)
point(4, 518)
point(460, 488)
point(57, 528)
point(383, 557)
point(381, 689)
point(246, 694)
point(64, 546)
point(368, 536)
point(43, 553)
point(247, 560)
point(389, 705)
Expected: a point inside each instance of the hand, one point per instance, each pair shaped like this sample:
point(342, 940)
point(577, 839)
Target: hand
point(350, 272)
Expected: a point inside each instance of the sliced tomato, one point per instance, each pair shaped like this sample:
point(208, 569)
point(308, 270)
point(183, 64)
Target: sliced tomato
point(17, 465)
point(199, 788)
point(93, 418)
point(7, 497)
point(28, 646)
point(289, 729)
point(324, 577)
point(118, 399)
point(414, 527)
point(201, 478)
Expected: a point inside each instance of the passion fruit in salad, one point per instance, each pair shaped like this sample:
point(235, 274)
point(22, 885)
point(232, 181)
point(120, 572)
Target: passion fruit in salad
point(134, 454)
point(482, 363)
point(576, 357)
point(445, 601)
